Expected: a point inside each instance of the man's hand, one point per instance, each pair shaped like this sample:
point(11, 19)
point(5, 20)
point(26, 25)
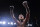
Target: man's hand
point(25, 4)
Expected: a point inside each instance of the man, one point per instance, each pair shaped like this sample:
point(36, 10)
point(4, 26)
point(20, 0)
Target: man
point(21, 22)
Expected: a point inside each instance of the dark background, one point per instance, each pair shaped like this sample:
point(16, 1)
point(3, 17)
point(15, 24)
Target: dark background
point(33, 5)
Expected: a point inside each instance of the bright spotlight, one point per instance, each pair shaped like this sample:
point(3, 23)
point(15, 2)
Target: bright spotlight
point(3, 22)
point(29, 24)
point(11, 23)
point(0, 22)
point(8, 23)
point(14, 23)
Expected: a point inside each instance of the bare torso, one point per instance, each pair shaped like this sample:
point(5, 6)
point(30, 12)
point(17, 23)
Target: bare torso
point(21, 24)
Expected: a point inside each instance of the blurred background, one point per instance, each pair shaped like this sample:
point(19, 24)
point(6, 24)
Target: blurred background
point(6, 19)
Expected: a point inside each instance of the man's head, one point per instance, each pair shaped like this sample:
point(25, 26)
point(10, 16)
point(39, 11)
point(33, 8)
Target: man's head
point(21, 17)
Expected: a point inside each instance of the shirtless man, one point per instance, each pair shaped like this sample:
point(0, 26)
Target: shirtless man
point(22, 21)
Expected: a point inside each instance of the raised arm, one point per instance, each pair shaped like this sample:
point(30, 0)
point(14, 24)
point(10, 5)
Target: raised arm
point(27, 16)
point(27, 11)
point(15, 18)
point(12, 15)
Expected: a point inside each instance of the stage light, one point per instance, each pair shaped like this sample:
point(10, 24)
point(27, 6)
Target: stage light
point(11, 23)
point(0, 22)
point(29, 24)
point(3, 22)
point(14, 23)
point(8, 22)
